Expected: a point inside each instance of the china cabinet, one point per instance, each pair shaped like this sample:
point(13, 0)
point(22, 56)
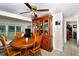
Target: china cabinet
point(43, 26)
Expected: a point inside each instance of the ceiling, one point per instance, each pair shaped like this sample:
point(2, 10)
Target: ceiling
point(68, 9)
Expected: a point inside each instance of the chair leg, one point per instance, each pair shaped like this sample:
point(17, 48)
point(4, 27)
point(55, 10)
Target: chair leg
point(40, 53)
point(20, 54)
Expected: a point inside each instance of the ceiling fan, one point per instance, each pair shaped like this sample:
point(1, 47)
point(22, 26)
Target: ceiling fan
point(34, 10)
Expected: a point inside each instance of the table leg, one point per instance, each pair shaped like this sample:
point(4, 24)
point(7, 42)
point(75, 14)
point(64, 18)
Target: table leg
point(25, 52)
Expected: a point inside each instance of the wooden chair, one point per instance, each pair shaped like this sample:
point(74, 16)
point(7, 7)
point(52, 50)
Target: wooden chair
point(19, 35)
point(7, 50)
point(36, 50)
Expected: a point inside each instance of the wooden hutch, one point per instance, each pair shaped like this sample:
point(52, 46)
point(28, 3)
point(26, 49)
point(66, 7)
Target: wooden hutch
point(43, 26)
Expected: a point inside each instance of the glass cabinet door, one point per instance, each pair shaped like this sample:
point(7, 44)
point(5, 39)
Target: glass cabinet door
point(41, 27)
point(36, 27)
point(46, 27)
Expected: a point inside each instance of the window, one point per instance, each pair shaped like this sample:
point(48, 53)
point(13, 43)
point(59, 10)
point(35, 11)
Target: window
point(11, 28)
point(18, 28)
point(2, 29)
point(11, 32)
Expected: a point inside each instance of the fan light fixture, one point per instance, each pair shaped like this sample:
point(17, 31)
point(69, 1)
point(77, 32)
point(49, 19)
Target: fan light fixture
point(33, 12)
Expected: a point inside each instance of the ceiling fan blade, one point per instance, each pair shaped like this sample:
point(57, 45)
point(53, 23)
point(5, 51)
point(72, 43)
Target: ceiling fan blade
point(41, 10)
point(24, 12)
point(28, 5)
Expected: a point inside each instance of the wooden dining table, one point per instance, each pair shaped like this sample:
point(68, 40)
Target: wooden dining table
point(22, 43)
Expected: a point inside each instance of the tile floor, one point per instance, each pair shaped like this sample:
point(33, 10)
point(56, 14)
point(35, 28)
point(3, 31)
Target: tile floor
point(70, 49)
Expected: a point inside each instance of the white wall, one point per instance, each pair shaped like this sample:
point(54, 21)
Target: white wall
point(11, 21)
point(12, 15)
point(58, 31)
point(78, 30)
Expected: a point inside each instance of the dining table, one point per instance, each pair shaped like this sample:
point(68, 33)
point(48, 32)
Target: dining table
point(22, 43)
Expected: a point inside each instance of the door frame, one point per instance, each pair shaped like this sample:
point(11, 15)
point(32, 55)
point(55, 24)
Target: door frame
point(65, 24)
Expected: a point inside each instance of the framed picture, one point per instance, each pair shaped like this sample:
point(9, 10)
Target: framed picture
point(74, 26)
point(57, 22)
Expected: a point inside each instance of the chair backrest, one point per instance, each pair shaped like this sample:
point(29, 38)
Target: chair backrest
point(19, 35)
point(38, 40)
point(37, 43)
point(3, 41)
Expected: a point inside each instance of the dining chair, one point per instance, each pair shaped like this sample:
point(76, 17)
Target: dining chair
point(19, 35)
point(36, 50)
point(8, 50)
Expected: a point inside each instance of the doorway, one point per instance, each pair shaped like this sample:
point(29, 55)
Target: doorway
point(71, 32)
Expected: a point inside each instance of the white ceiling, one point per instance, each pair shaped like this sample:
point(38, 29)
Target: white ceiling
point(68, 9)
